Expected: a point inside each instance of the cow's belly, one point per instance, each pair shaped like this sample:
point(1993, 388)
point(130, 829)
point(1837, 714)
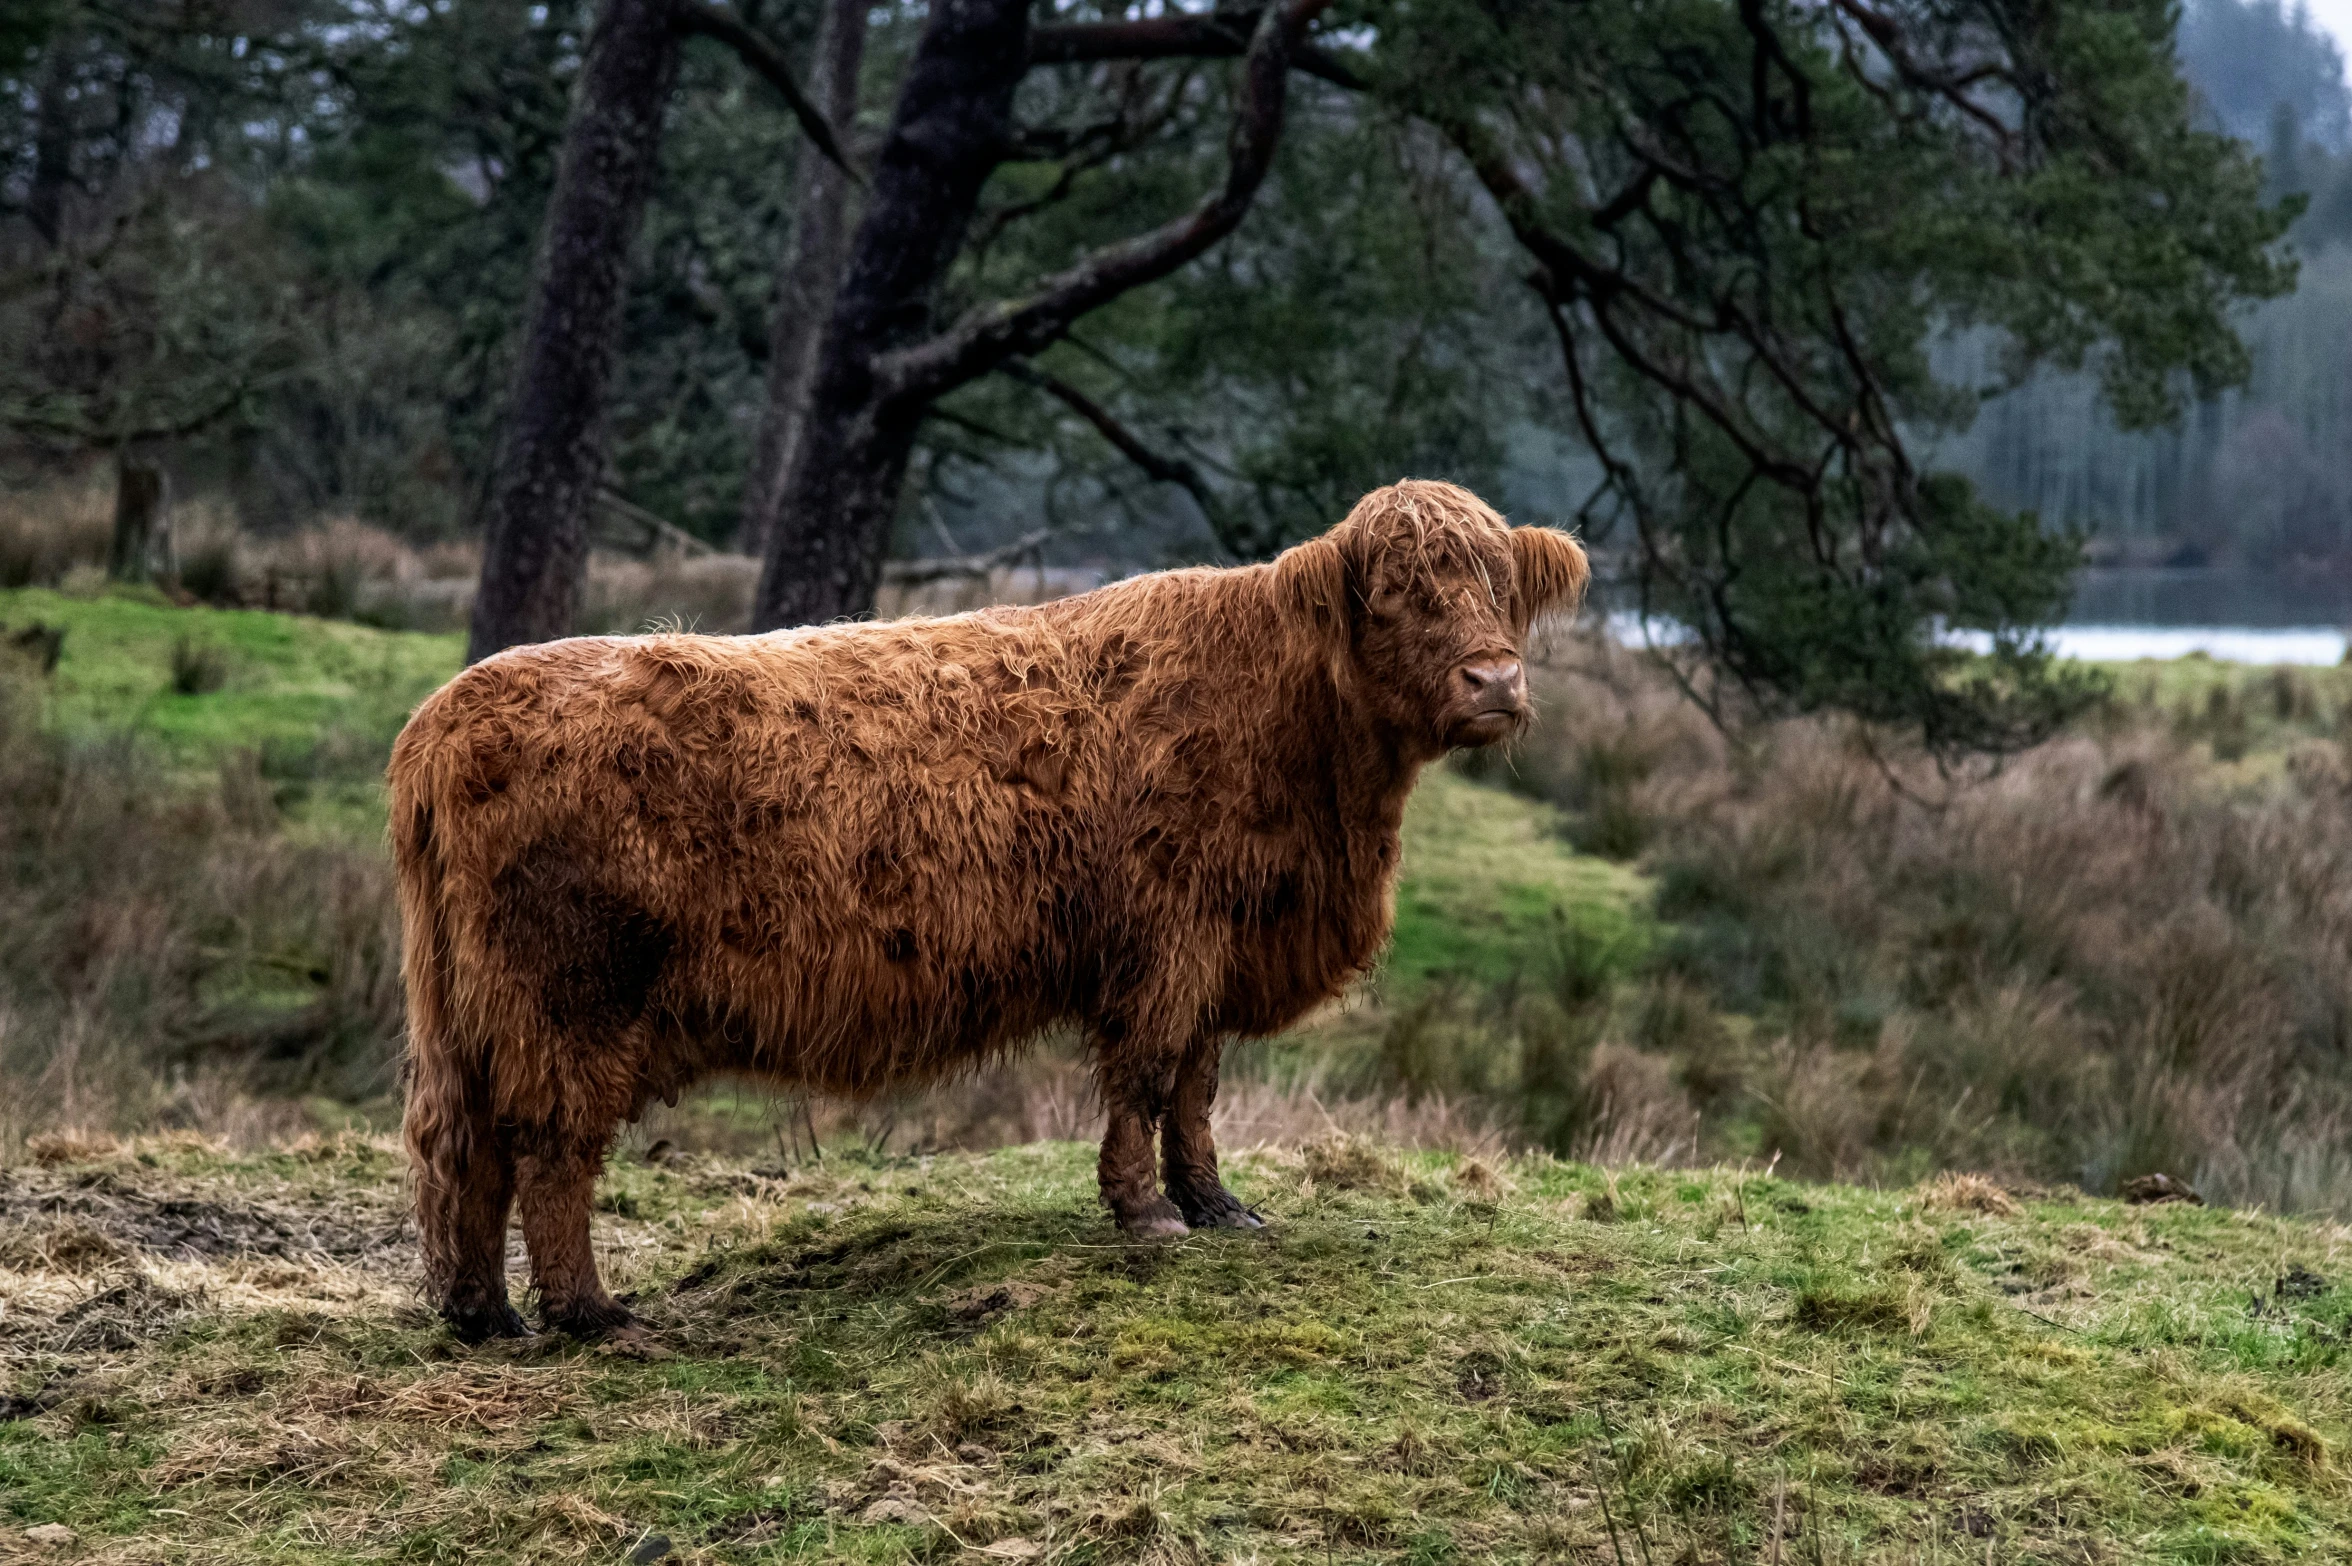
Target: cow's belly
point(855, 1004)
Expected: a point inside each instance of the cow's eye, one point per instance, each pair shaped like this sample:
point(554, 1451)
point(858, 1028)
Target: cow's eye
point(1389, 603)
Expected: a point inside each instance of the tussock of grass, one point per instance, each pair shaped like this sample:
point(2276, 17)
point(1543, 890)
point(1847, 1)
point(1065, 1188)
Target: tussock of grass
point(1968, 1193)
point(1424, 1360)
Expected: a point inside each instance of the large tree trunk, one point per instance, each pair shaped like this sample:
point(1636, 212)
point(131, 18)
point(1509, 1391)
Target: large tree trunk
point(951, 128)
point(142, 522)
point(806, 288)
point(551, 457)
point(53, 141)
point(877, 374)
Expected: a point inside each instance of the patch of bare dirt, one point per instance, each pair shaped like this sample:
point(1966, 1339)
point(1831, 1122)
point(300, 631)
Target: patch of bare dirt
point(106, 1209)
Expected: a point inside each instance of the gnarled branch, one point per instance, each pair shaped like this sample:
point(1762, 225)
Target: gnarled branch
point(1160, 468)
point(988, 336)
point(766, 61)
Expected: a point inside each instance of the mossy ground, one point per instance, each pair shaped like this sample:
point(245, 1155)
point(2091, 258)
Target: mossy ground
point(311, 704)
point(957, 1358)
point(289, 678)
point(1490, 890)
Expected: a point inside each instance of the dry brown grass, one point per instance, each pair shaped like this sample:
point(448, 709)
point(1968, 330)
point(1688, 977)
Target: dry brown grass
point(46, 534)
point(153, 932)
point(1953, 1192)
point(51, 1148)
point(1340, 1162)
point(2123, 952)
point(342, 568)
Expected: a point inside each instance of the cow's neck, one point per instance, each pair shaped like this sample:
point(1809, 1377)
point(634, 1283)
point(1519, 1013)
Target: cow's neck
point(1372, 767)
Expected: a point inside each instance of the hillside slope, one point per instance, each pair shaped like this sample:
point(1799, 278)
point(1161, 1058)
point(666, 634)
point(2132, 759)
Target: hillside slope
point(281, 679)
point(1488, 888)
point(1422, 1360)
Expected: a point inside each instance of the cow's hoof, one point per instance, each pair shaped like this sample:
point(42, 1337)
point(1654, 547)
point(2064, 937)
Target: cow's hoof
point(1159, 1221)
point(1221, 1209)
point(601, 1322)
point(635, 1341)
point(477, 1325)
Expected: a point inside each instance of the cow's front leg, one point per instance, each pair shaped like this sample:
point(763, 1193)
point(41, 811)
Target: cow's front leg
point(1135, 1093)
point(1189, 1151)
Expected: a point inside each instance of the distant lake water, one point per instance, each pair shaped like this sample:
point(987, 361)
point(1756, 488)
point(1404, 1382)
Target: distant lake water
point(2238, 616)
point(2125, 613)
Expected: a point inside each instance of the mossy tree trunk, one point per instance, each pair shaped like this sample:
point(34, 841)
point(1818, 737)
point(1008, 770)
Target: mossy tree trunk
point(806, 287)
point(551, 457)
point(142, 522)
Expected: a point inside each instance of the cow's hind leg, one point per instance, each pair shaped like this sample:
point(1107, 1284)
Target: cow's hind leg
point(1189, 1152)
point(464, 1192)
point(555, 1175)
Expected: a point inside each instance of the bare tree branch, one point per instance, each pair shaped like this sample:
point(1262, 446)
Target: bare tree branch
point(918, 573)
point(1162, 469)
point(987, 336)
point(1140, 115)
point(722, 24)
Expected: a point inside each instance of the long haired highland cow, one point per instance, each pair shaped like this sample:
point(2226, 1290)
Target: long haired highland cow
point(864, 856)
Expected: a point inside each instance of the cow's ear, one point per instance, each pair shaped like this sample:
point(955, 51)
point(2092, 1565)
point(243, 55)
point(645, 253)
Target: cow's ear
point(1551, 569)
point(1311, 585)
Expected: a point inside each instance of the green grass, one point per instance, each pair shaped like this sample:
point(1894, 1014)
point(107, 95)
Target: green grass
point(293, 682)
point(1421, 1361)
point(1489, 890)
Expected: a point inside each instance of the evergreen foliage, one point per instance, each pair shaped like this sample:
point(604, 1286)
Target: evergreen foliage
point(1760, 232)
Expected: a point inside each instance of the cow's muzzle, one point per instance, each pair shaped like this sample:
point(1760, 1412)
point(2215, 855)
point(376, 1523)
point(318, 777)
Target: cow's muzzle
point(1492, 701)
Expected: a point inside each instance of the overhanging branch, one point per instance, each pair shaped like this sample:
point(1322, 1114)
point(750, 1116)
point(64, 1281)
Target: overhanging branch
point(1156, 466)
point(766, 61)
point(988, 336)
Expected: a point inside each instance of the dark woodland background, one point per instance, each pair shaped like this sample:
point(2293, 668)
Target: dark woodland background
point(310, 227)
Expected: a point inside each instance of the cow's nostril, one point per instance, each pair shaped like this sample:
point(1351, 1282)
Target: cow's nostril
point(1488, 679)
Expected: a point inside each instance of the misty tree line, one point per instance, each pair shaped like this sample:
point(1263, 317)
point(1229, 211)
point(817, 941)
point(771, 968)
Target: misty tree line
point(2260, 475)
point(828, 280)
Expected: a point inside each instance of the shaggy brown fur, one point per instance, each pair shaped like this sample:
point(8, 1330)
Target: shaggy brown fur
point(867, 855)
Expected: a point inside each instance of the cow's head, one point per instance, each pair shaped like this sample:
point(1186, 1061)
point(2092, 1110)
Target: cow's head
point(1424, 595)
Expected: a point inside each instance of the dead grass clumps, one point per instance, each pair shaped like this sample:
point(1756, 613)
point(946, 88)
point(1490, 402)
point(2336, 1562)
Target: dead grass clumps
point(249, 1454)
point(2123, 952)
point(1341, 1162)
point(52, 1148)
point(1481, 1180)
point(1634, 1111)
point(482, 1398)
point(131, 1310)
point(1968, 1193)
point(46, 535)
point(67, 1245)
point(170, 954)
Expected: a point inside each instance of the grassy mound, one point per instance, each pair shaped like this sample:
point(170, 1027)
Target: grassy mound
point(200, 682)
point(1423, 1360)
